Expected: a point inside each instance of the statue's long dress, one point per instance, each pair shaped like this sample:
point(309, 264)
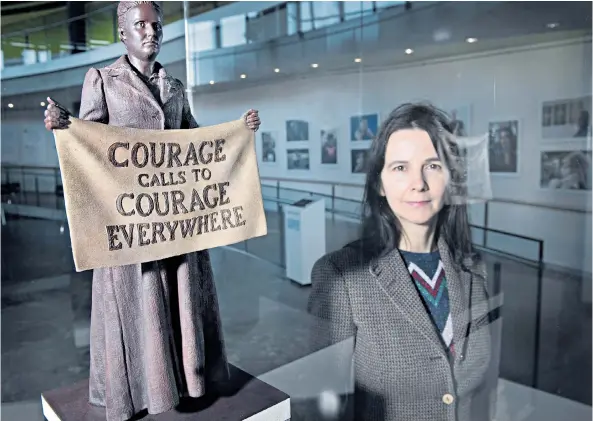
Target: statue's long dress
point(155, 327)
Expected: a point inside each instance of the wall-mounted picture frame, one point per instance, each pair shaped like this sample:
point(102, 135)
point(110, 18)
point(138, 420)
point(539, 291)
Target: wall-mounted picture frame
point(329, 146)
point(567, 118)
point(359, 159)
point(297, 131)
point(298, 159)
point(364, 127)
point(565, 170)
point(269, 143)
point(503, 147)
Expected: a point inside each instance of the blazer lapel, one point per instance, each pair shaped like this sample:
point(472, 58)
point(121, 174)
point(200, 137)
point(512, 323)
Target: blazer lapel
point(123, 71)
point(394, 279)
point(168, 86)
point(459, 299)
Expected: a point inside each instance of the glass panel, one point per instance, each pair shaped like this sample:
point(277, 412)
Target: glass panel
point(387, 4)
point(326, 13)
point(201, 36)
point(292, 18)
point(232, 31)
point(356, 9)
point(306, 15)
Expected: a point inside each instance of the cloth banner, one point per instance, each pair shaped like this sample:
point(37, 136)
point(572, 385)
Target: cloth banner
point(135, 195)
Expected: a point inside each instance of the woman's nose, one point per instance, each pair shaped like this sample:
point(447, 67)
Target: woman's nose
point(418, 182)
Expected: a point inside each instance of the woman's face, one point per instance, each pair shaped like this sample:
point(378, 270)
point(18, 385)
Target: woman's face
point(413, 179)
point(143, 32)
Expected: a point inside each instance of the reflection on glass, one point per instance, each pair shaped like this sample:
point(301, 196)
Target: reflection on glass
point(386, 4)
point(306, 15)
point(292, 20)
point(232, 31)
point(201, 36)
point(356, 9)
point(325, 13)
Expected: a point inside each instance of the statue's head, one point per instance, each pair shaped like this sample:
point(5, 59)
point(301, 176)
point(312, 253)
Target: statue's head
point(140, 28)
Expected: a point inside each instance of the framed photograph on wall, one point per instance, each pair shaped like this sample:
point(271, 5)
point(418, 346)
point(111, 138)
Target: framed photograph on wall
point(329, 146)
point(268, 146)
point(565, 170)
point(297, 159)
point(364, 127)
point(297, 130)
point(359, 160)
point(567, 118)
point(503, 144)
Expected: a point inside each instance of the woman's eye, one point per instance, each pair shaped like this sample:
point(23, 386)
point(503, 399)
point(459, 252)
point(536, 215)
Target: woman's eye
point(140, 24)
point(399, 168)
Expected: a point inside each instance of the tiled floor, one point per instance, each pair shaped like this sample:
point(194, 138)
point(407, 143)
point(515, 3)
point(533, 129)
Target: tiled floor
point(46, 309)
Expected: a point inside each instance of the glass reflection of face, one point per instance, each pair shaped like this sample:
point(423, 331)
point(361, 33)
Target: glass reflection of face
point(413, 180)
point(143, 32)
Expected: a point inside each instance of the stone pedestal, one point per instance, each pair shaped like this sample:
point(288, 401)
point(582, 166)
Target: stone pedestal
point(248, 399)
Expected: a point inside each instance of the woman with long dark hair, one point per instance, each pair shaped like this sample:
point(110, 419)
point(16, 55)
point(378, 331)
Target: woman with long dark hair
point(412, 291)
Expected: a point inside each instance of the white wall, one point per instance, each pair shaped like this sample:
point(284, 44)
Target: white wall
point(499, 86)
point(509, 85)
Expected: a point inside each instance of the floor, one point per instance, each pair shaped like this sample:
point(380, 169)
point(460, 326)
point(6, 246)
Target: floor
point(46, 309)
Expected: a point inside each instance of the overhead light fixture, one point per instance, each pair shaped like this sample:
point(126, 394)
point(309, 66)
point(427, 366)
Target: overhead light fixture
point(211, 82)
point(42, 104)
point(277, 70)
point(314, 65)
point(357, 60)
point(11, 105)
point(471, 40)
point(553, 25)
point(243, 76)
point(409, 51)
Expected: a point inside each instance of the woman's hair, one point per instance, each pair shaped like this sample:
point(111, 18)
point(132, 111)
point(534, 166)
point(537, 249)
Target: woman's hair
point(381, 231)
point(124, 6)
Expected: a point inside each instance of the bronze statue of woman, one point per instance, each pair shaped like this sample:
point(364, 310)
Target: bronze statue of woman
point(155, 327)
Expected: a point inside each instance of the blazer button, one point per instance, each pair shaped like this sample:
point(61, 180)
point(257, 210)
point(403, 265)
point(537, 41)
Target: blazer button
point(448, 399)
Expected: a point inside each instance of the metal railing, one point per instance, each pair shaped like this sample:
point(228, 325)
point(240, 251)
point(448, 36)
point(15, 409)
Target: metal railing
point(41, 187)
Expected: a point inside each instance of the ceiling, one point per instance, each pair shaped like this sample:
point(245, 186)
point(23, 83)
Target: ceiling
point(437, 33)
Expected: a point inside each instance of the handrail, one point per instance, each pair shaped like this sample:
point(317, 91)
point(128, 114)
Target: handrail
point(495, 230)
point(338, 184)
point(492, 200)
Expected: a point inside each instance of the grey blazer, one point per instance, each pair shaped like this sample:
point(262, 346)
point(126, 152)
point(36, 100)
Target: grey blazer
point(156, 333)
point(400, 366)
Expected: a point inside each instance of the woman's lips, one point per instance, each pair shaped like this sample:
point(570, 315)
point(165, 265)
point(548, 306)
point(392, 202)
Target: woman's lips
point(418, 204)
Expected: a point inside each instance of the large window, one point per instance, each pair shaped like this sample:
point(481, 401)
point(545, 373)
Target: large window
point(356, 9)
point(232, 31)
point(325, 13)
point(202, 36)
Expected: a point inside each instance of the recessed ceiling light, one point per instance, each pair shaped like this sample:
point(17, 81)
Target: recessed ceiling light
point(314, 65)
point(277, 70)
point(409, 51)
point(10, 106)
point(471, 40)
point(42, 104)
point(211, 82)
point(357, 60)
point(553, 25)
point(243, 76)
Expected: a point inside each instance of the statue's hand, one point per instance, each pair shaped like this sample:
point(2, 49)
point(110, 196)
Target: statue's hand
point(56, 116)
point(252, 120)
